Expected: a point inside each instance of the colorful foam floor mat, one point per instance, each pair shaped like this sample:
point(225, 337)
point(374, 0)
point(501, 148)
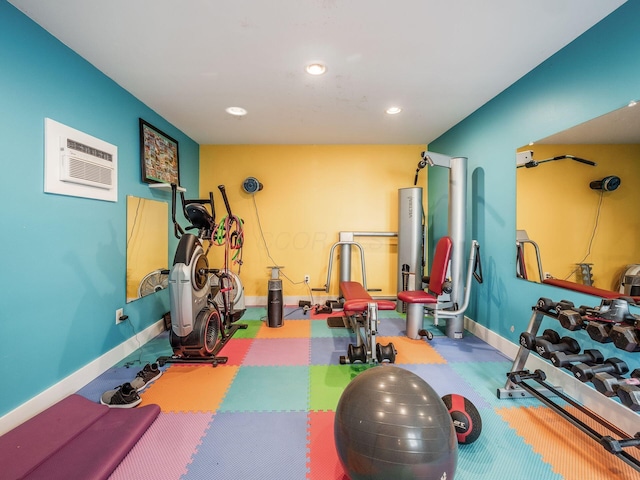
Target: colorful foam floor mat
point(268, 413)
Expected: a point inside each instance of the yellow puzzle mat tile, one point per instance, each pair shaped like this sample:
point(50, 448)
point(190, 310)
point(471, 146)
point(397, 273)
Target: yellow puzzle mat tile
point(412, 351)
point(190, 388)
point(570, 452)
point(289, 329)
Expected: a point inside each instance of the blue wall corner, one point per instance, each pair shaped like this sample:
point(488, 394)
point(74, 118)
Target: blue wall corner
point(65, 257)
point(595, 74)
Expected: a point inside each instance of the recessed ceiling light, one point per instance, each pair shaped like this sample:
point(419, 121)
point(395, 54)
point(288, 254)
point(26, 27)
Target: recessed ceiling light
point(237, 111)
point(393, 110)
point(316, 68)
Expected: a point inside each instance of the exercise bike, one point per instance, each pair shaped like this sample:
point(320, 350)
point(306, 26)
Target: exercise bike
point(203, 312)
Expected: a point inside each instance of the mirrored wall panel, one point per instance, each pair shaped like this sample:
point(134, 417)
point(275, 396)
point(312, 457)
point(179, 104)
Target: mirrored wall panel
point(147, 246)
point(578, 195)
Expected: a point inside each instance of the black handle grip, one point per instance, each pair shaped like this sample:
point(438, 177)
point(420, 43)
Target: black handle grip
point(226, 200)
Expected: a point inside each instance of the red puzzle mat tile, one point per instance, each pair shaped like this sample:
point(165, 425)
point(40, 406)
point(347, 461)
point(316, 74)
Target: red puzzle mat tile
point(323, 463)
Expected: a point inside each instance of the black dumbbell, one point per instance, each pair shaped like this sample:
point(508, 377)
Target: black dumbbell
point(566, 344)
point(547, 305)
point(599, 331)
point(562, 359)
point(528, 340)
point(584, 372)
point(608, 384)
point(629, 395)
point(570, 319)
point(625, 337)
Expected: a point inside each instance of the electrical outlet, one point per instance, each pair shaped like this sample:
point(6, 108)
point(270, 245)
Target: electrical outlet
point(307, 278)
point(119, 315)
point(547, 275)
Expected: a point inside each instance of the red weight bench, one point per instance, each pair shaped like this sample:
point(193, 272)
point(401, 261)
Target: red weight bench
point(360, 314)
point(437, 295)
point(597, 292)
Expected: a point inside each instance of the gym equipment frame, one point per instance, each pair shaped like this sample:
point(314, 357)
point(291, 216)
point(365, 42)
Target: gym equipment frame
point(457, 167)
point(200, 325)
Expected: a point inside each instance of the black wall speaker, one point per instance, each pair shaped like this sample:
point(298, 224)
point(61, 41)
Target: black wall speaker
point(608, 184)
point(251, 185)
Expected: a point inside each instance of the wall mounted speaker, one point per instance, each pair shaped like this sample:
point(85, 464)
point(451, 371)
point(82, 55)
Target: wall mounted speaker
point(608, 184)
point(251, 185)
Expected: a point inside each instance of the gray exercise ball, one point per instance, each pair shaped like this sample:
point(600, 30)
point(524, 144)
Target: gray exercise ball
point(390, 424)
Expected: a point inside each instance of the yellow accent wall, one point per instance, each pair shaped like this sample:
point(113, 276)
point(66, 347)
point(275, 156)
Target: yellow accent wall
point(310, 194)
point(559, 210)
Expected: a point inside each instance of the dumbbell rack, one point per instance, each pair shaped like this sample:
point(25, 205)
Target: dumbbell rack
point(511, 389)
point(518, 386)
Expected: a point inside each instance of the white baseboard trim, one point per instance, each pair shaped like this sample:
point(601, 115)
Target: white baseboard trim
point(77, 379)
point(605, 407)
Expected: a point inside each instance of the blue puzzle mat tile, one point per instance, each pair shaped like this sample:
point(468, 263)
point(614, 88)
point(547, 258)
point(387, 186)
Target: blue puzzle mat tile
point(109, 380)
point(319, 328)
point(390, 327)
point(467, 349)
point(496, 452)
point(444, 380)
point(488, 378)
point(276, 442)
point(327, 351)
point(276, 389)
point(387, 314)
point(254, 313)
point(149, 352)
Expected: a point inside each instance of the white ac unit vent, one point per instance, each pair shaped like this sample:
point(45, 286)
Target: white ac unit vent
point(78, 164)
point(86, 165)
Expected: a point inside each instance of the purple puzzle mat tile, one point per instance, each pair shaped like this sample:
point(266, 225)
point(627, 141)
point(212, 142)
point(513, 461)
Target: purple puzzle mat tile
point(276, 442)
point(327, 351)
point(278, 351)
point(467, 349)
point(444, 380)
point(166, 448)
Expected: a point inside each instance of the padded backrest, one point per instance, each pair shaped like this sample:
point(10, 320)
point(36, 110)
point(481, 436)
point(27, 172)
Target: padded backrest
point(441, 259)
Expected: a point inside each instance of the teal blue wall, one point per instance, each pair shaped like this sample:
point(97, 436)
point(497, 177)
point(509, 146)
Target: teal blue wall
point(64, 258)
point(597, 73)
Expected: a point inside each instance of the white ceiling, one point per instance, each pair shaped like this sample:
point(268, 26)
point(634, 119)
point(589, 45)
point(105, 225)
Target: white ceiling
point(437, 59)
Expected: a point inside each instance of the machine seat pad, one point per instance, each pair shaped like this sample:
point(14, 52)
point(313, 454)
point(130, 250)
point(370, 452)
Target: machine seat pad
point(357, 298)
point(417, 296)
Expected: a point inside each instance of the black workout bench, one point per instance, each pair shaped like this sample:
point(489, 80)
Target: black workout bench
point(360, 314)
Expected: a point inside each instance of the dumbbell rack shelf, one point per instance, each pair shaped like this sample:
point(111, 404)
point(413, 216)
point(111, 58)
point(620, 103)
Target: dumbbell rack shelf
point(511, 389)
point(518, 386)
point(612, 445)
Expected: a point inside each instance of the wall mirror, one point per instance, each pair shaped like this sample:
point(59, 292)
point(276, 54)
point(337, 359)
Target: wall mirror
point(578, 195)
point(147, 246)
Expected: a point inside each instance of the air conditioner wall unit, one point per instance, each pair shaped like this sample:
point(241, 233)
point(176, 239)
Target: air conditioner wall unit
point(78, 164)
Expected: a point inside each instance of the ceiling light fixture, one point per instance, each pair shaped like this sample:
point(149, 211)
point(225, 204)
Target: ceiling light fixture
point(316, 68)
point(237, 111)
point(393, 110)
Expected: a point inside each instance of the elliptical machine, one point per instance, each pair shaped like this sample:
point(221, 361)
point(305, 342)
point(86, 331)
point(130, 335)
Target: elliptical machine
point(202, 312)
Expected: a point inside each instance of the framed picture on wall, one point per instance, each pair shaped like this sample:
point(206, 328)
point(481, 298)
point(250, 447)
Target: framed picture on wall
point(158, 155)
